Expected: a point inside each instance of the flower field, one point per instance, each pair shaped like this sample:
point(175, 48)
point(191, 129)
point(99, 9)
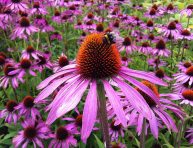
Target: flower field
point(96, 73)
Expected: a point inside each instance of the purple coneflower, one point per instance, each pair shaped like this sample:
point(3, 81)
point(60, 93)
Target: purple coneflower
point(159, 112)
point(161, 74)
point(152, 13)
point(183, 66)
point(98, 61)
point(42, 62)
point(145, 48)
point(189, 135)
point(170, 30)
point(125, 61)
point(169, 9)
point(185, 34)
point(156, 62)
point(126, 44)
point(9, 113)
point(90, 17)
point(64, 137)
point(17, 5)
point(186, 97)
point(33, 131)
point(185, 76)
point(57, 17)
point(179, 87)
point(6, 78)
point(61, 62)
point(23, 67)
point(24, 29)
point(27, 108)
point(148, 25)
point(38, 9)
point(116, 130)
point(30, 52)
point(160, 49)
point(56, 36)
point(187, 11)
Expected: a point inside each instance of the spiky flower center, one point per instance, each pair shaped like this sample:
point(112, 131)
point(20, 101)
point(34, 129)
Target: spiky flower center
point(99, 27)
point(147, 98)
point(159, 73)
point(98, 59)
point(89, 23)
point(25, 63)
point(90, 16)
point(78, 120)
point(156, 61)
point(10, 105)
point(188, 94)
point(36, 5)
point(189, 71)
point(63, 61)
point(2, 60)
point(42, 60)
point(124, 58)
point(28, 101)
point(116, 24)
point(30, 49)
point(24, 22)
point(72, 7)
point(149, 23)
point(116, 146)
point(145, 44)
point(127, 41)
point(170, 7)
point(115, 127)
point(161, 45)
point(152, 11)
point(172, 26)
point(7, 69)
point(155, 6)
point(186, 85)
point(185, 32)
point(62, 133)
point(30, 132)
point(23, 14)
point(57, 13)
point(187, 64)
point(151, 37)
point(16, 1)
point(190, 7)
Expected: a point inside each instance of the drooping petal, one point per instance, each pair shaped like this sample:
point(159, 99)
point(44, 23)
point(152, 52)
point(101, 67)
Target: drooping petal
point(115, 102)
point(68, 103)
point(89, 112)
point(136, 100)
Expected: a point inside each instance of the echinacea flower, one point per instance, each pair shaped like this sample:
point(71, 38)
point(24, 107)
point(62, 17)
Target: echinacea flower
point(61, 62)
point(152, 13)
point(186, 97)
point(160, 49)
point(30, 52)
point(64, 137)
point(27, 108)
point(90, 17)
point(97, 60)
point(161, 74)
point(185, 76)
point(189, 135)
point(23, 67)
point(34, 131)
point(7, 78)
point(183, 66)
point(156, 62)
point(9, 113)
point(24, 29)
point(148, 25)
point(56, 36)
point(42, 62)
point(38, 9)
point(57, 17)
point(180, 87)
point(145, 48)
point(170, 30)
point(160, 115)
point(126, 44)
point(185, 34)
point(17, 5)
point(187, 11)
point(169, 9)
point(116, 130)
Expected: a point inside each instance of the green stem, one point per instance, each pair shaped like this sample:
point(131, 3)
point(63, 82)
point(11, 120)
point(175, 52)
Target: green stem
point(15, 93)
point(103, 113)
point(142, 136)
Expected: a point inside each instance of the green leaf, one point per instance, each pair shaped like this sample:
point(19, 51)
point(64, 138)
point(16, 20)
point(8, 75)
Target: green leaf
point(99, 142)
